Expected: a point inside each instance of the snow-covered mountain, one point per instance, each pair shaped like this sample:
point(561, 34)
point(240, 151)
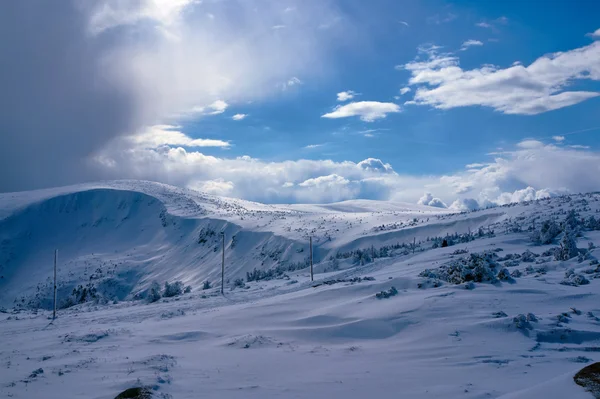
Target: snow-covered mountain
point(514, 295)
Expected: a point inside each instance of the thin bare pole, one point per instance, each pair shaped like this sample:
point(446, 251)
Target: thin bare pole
point(414, 244)
point(54, 308)
point(311, 260)
point(223, 263)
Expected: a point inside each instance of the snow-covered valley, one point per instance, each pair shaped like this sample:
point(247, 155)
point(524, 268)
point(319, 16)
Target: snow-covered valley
point(509, 309)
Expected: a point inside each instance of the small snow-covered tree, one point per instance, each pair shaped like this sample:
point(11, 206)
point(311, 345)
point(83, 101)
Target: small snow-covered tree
point(154, 293)
point(592, 223)
point(174, 289)
point(568, 246)
point(547, 232)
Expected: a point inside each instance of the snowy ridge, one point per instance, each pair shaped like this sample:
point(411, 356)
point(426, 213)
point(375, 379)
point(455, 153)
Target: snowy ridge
point(515, 319)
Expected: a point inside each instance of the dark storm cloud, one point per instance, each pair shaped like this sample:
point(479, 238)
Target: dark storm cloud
point(57, 104)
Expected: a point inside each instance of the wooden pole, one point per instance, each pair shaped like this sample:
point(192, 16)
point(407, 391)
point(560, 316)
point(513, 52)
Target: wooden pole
point(223, 264)
point(414, 244)
point(54, 307)
point(311, 260)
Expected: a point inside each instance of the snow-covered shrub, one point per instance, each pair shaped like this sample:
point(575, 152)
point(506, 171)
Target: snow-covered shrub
point(547, 233)
point(238, 282)
point(568, 247)
point(572, 220)
point(523, 322)
point(512, 263)
point(574, 279)
point(83, 294)
point(592, 223)
point(504, 275)
point(154, 293)
point(387, 294)
point(478, 267)
point(549, 252)
point(187, 289)
point(516, 273)
point(528, 256)
point(174, 289)
point(206, 285)
point(563, 318)
point(428, 283)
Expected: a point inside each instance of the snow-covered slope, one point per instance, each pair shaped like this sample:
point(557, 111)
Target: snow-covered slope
point(511, 337)
point(122, 235)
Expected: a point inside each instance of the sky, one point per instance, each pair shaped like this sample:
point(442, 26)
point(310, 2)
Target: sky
point(455, 104)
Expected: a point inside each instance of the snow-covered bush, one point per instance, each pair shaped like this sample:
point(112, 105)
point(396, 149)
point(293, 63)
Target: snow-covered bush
point(574, 279)
point(523, 322)
point(516, 273)
point(154, 293)
point(504, 275)
point(238, 282)
point(547, 233)
point(206, 285)
point(427, 283)
point(568, 247)
point(174, 289)
point(528, 256)
point(478, 267)
point(387, 294)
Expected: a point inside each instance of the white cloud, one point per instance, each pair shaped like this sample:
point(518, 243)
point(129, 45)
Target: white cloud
point(275, 27)
point(579, 146)
point(110, 14)
point(239, 117)
point(548, 169)
point(404, 90)
point(311, 146)
point(368, 111)
point(159, 135)
point(375, 165)
point(215, 108)
point(558, 138)
point(215, 187)
point(346, 95)
point(530, 144)
point(470, 43)
point(595, 34)
point(429, 200)
point(475, 165)
point(291, 82)
point(404, 23)
point(464, 205)
point(483, 25)
point(540, 87)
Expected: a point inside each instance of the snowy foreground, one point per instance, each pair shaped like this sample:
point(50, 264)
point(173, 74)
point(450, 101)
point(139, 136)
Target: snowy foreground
point(526, 324)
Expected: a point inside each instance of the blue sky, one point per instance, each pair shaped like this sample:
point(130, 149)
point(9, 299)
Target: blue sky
point(453, 103)
point(420, 139)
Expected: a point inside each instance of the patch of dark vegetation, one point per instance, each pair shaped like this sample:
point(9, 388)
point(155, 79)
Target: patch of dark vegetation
point(387, 294)
point(477, 267)
point(135, 393)
point(345, 280)
point(589, 378)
